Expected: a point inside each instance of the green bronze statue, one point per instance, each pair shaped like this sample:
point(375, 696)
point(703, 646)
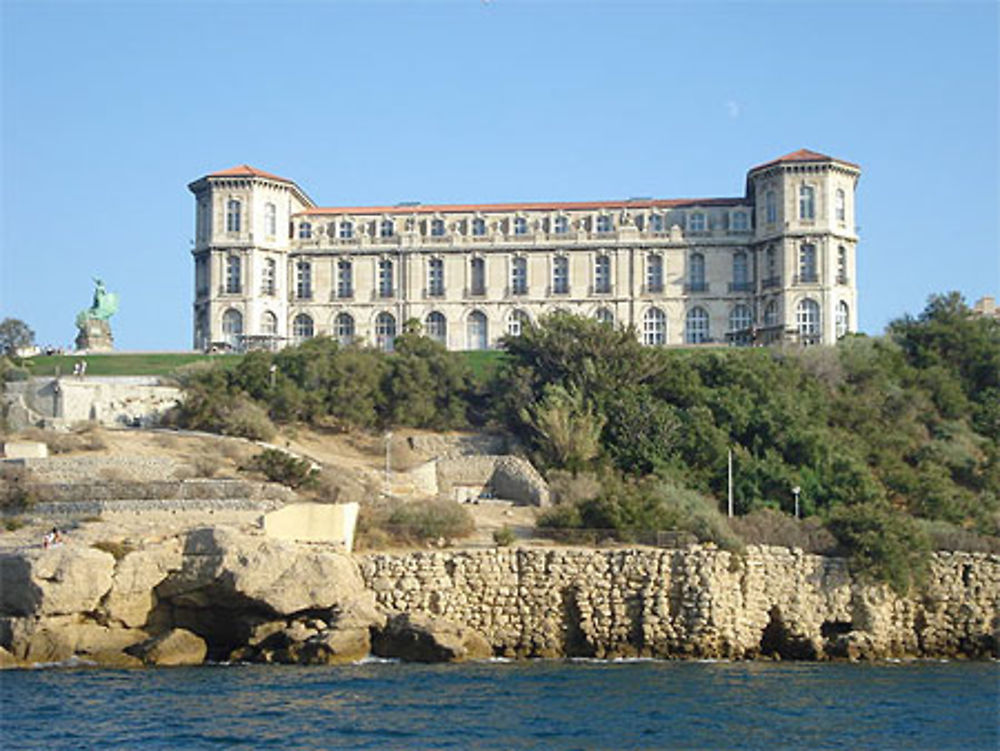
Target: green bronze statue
point(95, 331)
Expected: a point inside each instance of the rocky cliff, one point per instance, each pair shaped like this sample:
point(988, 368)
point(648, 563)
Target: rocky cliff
point(220, 594)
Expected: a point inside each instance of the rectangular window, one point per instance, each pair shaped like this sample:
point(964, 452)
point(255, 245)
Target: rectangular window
point(697, 222)
point(841, 265)
point(739, 221)
point(654, 273)
point(345, 279)
point(807, 263)
point(602, 275)
point(477, 276)
point(201, 276)
point(385, 285)
point(346, 230)
point(268, 274)
point(771, 207)
point(560, 225)
point(270, 220)
point(807, 202)
point(234, 211)
point(560, 275)
point(841, 206)
point(656, 223)
point(303, 280)
point(234, 275)
point(519, 276)
point(520, 226)
point(435, 277)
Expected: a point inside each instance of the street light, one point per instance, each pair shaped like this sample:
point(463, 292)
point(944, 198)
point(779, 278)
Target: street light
point(796, 490)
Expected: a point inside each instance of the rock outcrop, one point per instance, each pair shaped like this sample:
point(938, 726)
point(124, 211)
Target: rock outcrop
point(416, 637)
point(172, 648)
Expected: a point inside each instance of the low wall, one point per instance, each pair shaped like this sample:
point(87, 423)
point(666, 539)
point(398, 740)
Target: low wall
point(695, 602)
point(508, 477)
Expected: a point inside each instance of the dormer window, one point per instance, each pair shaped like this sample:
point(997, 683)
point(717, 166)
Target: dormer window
point(740, 223)
point(386, 228)
point(520, 226)
point(560, 225)
point(807, 202)
point(346, 229)
point(305, 231)
point(697, 222)
point(437, 227)
point(656, 222)
point(478, 227)
point(604, 223)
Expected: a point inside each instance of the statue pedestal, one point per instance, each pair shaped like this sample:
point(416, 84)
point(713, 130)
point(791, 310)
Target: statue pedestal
point(95, 336)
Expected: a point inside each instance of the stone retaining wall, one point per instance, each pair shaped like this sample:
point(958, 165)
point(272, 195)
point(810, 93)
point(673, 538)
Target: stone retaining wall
point(695, 602)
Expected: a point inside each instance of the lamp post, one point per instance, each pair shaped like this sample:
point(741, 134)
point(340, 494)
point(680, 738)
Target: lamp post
point(795, 491)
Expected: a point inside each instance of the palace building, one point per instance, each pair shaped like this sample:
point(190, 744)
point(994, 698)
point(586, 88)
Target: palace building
point(777, 264)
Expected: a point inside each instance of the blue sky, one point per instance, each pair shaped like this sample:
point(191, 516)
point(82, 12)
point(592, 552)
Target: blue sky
point(110, 109)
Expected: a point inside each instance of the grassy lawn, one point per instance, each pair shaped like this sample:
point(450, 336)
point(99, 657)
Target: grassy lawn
point(121, 364)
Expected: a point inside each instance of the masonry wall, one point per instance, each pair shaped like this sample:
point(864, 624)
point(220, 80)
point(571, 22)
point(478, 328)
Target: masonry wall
point(696, 602)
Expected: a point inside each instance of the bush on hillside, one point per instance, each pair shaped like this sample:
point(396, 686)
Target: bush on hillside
point(281, 467)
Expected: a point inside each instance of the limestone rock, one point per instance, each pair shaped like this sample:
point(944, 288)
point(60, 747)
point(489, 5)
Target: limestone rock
point(7, 660)
point(415, 637)
point(175, 647)
point(336, 646)
point(132, 597)
point(224, 568)
point(65, 579)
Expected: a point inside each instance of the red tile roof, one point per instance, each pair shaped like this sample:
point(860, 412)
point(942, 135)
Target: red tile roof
point(802, 155)
point(535, 206)
point(245, 170)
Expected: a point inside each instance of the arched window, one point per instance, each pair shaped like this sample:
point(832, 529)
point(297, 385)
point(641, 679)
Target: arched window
point(435, 277)
point(234, 275)
point(605, 316)
point(305, 230)
point(477, 276)
point(740, 318)
point(843, 319)
point(387, 228)
point(807, 202)
point(741, 272)
point(232, 327)
point(270, 220)
point(696, 326)
point(654, 273)
point(654, 327)
point(696, 273)
point(602, 274)
point(269, 323)
point(436, 327)
point(516, 321)
point(520, 226)
point(771, 314)
point(807, 320)
point(234, 215)
point(807, 262)
point(346, 229)
point(343, 328)
point(477, 330)
point(385, 331)
point(478, 227)
point(519, 276)
point(302, 328)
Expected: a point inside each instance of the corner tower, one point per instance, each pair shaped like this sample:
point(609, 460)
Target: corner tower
point(242, 240)
point(805, 242)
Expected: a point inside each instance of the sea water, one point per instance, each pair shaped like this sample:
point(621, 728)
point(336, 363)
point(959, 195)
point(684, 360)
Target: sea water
point(510, 706)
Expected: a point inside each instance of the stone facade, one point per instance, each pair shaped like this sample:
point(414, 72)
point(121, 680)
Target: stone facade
point(695, 602)
point(775, 264)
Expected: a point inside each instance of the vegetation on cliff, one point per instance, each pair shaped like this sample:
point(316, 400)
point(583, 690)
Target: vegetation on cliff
point(894, 441)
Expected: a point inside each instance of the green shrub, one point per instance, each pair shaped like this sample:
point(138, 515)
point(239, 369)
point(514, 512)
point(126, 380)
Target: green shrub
point(769, 527)
point(15, 495)
point(412, 523)
point(281, 467)
point(882, 544)
point(503, 537)
point(118, 548)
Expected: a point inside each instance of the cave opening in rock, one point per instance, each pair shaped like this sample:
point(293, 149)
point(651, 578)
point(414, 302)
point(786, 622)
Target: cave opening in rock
point(777, 641)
